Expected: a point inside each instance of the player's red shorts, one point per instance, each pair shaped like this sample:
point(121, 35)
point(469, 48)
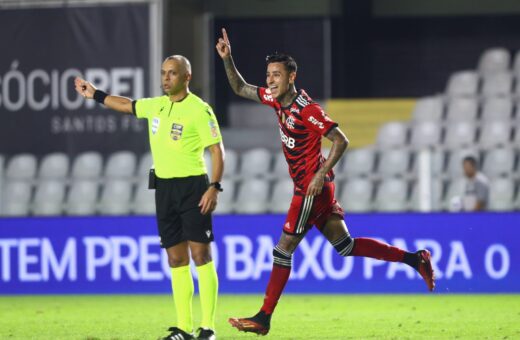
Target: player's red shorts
point(306, 211)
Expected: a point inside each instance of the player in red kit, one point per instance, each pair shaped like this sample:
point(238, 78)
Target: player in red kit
point(302, 123)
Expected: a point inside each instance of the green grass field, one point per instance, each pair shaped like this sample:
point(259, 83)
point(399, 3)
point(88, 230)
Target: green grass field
point(297, 317)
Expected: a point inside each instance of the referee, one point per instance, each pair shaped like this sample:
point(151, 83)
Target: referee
point(180, 126)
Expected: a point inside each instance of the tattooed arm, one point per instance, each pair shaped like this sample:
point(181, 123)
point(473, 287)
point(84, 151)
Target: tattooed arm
point(238, 84)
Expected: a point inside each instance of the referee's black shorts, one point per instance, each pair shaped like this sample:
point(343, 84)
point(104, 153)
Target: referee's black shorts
point(178, 212)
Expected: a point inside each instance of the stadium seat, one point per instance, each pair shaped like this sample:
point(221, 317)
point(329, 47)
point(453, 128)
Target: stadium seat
point(436, 195)
point(356, 195)
point(144, 199)
point(498, 162)
point(497, 108)
point(394, 162)
point(463, 83)
point(49, 198)
point(393, 134)
point(428, 109)
point(425, 134)
point(21, 167)
point(281, 197)
point(115, 197)
point(82, 198)
point(255, 163)
point(454, 164)
point(120, 165)
point(462, 109)
point(498, 84)
point(230, 163)
point(391, 195)
point(496, 133)
point(280, 167)
point(501, 194)
point(225, 204)
point(460, 134)
point(358, 162)
point(494, 60)
point(252, 196)
point(87, 165)
point(454, 191)
point(16, 198)
point(145, 163)
point(54, 166)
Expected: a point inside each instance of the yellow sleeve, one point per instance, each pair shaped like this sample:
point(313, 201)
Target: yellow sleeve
point(144, 107)
point(207, 127)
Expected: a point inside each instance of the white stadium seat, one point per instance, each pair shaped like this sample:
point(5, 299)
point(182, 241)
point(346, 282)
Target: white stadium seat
point(494, 60)
point(497, 108)
point(463, 83)
point(356, 195)
point(393, 134)
point(460, 134)
point(115, 197)
point(358, 162)
point(255, 162)
point(282, 195)
point(252, 196)
point(82, 198)
point(54, 166)
point(462, 109)
point(87, 165)
point(501, 194)
point(16, 198)
point(120, 165)
point(428, 109)
point(21, 167)
point(391, 195)
point(49, 198)
point(425, 134)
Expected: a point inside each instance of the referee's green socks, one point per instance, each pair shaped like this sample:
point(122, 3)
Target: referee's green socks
point(182, 286)
point(208, 290)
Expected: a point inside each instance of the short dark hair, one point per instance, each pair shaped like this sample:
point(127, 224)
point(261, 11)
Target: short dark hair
point(471, 159)
point(287, 60)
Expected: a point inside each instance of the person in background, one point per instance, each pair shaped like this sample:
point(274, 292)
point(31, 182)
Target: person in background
point(476, 187)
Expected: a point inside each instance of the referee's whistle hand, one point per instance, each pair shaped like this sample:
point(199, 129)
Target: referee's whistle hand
point(208, 202)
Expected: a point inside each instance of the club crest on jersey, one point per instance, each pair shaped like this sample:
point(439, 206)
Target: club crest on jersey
point(176, 132)
point(289, 122)
point(267, 95)
point(213, 128)
point(155, 125)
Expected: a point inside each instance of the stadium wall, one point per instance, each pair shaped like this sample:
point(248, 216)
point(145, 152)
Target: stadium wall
point(472, 253)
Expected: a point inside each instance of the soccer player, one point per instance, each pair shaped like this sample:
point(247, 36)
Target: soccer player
point(302, 123)
point(181, 126)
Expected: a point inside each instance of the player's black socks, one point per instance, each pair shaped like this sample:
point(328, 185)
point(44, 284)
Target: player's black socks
point(262, 318)
point(411, 259)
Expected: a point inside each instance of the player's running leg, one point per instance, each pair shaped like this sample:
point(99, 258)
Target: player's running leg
point(337, 234)
point(282, 254)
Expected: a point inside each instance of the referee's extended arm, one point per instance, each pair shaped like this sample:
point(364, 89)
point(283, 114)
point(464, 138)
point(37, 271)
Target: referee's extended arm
point(88, 91)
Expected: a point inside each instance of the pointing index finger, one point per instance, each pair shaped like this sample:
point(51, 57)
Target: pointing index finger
point(224, 34)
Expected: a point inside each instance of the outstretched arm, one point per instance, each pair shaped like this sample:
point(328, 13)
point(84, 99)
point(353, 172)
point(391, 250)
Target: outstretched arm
point(88, 91)
point(339, 144)
point(238, 84)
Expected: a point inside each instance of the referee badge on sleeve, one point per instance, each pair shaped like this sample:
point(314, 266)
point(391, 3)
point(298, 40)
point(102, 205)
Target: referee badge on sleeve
point(155, 125)
point(176, 132)
point(213, 128)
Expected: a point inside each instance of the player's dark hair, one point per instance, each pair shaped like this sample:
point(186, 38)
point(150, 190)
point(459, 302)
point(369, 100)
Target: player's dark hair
point(471, 159)
point(287, 60)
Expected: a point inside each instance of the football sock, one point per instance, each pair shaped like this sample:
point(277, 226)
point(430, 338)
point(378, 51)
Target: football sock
point(182, 287)
point(279, 276)
point(208, 291)
point(262, 318)
point(369, 247)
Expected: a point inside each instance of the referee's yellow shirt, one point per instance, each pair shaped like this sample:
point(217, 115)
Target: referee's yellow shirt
point(179, 132)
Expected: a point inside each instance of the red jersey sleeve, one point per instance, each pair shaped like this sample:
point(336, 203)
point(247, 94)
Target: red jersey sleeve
point(317, 120)
point(265, 96)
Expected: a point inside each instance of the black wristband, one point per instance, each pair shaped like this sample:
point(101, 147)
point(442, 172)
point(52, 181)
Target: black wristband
point(217, 186)
point(100, 96)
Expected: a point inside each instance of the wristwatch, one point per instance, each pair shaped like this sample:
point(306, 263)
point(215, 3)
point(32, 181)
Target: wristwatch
point(217, 186)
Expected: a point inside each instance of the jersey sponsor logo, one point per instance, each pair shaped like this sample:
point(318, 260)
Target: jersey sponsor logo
point(316, 122)
point(289, 122)
point(176, 132)
point(213, 128)
point(288, 141)
point(208, 233)
point(155, 125)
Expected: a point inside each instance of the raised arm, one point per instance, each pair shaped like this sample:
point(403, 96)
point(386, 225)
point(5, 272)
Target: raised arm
point(238, 84)
point(88, 91)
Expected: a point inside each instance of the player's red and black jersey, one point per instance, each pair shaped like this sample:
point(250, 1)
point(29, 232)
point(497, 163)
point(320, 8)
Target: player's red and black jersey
point(302, 125)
